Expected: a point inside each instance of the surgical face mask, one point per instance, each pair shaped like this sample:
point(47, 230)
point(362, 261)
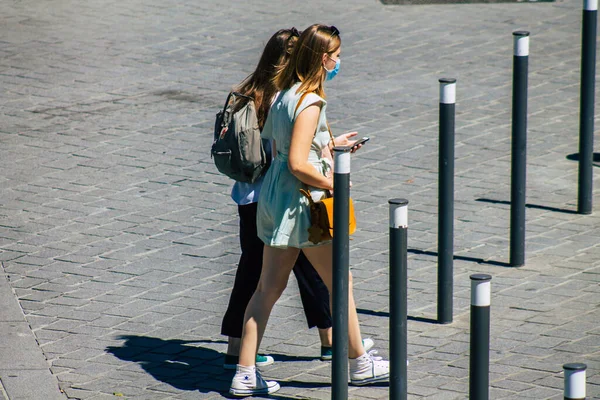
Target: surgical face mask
point(332, 73)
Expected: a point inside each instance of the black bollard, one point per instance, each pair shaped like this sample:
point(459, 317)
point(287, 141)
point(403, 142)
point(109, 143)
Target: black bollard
point(574, 381)
point(587, 98)
point(519, 149)
point(479, 358)
point(446, 201)
point(398, 298)
point(341, 270)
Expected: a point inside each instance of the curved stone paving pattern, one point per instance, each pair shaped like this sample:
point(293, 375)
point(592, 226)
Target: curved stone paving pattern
point(120, 240)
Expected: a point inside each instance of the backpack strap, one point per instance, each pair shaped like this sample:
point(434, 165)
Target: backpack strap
point(227, 101)
point(234, 94)
point(238, 94)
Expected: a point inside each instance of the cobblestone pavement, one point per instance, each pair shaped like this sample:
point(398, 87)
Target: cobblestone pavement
point(119, 239)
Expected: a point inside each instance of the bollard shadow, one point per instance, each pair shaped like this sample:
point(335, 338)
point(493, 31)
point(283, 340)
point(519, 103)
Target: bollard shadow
point(462, 258)
point(535, 206)
point(304, 384)
point(595, 158)
point(186, 366)
point(386, 314)
point(445, 2)
point(284, 358)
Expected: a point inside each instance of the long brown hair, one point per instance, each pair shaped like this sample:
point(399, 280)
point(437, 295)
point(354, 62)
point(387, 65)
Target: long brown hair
point(306, 62)
point(259, 85)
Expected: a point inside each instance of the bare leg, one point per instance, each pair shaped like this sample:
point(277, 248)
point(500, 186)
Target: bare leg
point(326, 337)
point(321, 258)
point(277, 265)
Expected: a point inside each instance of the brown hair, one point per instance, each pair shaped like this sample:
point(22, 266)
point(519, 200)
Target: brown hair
point(259, 85)
point(305, 64)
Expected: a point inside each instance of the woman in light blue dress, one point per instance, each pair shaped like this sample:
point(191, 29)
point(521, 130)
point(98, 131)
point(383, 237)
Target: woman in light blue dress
point(283, 216)
point(302, 142)
point(313, 292)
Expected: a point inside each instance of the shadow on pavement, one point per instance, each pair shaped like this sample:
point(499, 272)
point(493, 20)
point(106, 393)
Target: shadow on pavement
point(595, 158)
point(186, 366)
point(284, 384)
point(387, 315)
point(554, 209)
point(284, 358)
point(462, 258)
point(176, 362)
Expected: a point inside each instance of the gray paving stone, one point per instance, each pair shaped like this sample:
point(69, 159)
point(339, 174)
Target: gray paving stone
point(105, 167)
point(20, 382)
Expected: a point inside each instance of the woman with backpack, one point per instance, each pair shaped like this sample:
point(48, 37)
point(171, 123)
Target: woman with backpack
point(313, 292)
point(301, 135)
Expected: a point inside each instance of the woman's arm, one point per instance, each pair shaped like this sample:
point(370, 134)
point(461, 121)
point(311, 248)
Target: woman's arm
point(302, 137)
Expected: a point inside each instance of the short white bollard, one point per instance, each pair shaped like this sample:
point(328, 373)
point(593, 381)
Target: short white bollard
point(575, 381)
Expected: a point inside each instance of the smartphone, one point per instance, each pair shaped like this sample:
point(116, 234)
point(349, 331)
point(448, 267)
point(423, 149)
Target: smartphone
point(361, 141)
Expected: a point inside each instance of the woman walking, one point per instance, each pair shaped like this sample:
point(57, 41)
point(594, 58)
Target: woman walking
point(298, 124)
point(313, 292)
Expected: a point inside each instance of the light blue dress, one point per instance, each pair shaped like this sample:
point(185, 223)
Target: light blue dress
point(283, 215)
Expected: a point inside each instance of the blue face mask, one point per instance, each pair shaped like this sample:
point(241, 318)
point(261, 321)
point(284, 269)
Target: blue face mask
point(331, 74)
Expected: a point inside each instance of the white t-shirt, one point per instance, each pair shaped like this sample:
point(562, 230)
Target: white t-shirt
point(247, 193)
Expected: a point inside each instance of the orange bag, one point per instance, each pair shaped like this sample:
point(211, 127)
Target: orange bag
point(321, 218)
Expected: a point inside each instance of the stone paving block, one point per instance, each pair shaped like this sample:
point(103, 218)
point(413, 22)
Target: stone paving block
point(20, 382)
point(93, 95)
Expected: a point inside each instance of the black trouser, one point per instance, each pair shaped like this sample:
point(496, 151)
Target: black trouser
point(313, 292)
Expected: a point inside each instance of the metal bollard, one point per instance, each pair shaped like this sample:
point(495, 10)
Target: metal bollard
point(398, 298)
point(446, 201)
point(479, 358)
point(587, 98)
point(574, 381)
point(519, 149)
point(341, 269)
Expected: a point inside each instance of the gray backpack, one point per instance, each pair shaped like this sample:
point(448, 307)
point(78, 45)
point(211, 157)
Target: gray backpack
point(237, 149)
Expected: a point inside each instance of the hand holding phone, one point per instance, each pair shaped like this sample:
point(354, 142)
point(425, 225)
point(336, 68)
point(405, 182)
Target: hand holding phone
point(359, 142)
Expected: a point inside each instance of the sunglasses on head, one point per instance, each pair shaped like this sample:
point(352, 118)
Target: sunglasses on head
point(334, 31)
point(295, 32)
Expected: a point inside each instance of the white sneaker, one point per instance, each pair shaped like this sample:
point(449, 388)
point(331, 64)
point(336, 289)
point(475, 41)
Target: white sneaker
point(247, 381)
point(369, 368)
point(368, 344)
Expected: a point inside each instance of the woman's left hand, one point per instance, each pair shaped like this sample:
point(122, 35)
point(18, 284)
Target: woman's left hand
point(345, 140)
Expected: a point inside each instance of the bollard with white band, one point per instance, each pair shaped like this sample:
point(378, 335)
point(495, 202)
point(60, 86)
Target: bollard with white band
point(446, 200)
point(519, 148)
point(398, 298)
point(479, 358)
point(341, 270)
point(574, 381)
point(587, 100)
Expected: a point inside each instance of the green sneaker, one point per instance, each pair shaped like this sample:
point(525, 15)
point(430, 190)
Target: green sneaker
point(262, 361)
point(327, 352)
point(232, 361)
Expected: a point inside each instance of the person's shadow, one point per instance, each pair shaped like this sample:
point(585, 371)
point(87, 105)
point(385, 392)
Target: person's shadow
point(186, 366)
point(177, 362)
